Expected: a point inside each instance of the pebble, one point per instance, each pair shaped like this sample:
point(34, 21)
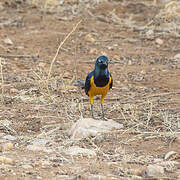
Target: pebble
point(150, 32)
point(35, 147)
point(85, 127)
point(159, 41)
point(9, 137)
point(27, 166)
point(8, 41)
point(89, 38)
point(40, 142)
point(77, 150)
point(154, 171)
point(93, 51)
point(13, 91)
point(6, 146)
point(42, 64)
point(6, 160)
point(177, 56)
point(169, 155)
point(1, 6)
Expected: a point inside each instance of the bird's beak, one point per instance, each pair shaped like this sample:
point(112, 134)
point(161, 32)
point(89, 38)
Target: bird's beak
point(104, 64)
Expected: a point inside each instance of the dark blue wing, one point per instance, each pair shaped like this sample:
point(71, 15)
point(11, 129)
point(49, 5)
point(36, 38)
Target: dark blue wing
point(88, 82)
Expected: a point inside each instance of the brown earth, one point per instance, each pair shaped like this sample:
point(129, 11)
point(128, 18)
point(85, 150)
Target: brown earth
point(141, 39)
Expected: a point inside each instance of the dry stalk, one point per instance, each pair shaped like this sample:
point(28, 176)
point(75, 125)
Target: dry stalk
point(2, 81)
point(45, 83)
point(57, 52)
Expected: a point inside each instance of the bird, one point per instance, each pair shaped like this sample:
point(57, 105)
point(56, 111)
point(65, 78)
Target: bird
point(99, 82)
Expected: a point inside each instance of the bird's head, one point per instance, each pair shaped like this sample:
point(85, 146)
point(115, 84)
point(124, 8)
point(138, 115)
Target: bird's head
point(101, 66)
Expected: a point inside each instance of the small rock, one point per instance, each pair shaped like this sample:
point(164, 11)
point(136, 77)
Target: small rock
point(85, 127)
point(157, 160)
point(13, 91)
point(42, 64)
point(40, 142)
point(150, 33)
point(89, 38)
point(27, 166)
point(159, 41)
point(5, 160)
point(143, 72)
point(154, 171)
point(67, 75)
point(77, 150)
point(6, 146)
point(170, 155)
point(137, 172)
point(35, 147)
point(129, 62)
point(135, 177)
point(103, 53)
point(177, 56)
point(1, 6)
point(8, 41)
point(70, 88)
point(9, 137)
point(116, 57)
point(93, 51)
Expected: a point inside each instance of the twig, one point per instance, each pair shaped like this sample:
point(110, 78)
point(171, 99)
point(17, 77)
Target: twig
point(57, 52)
point(18, 56)
point(162, 94)
point(2, 81)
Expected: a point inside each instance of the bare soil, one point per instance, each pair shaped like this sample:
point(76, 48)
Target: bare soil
point(141, 39)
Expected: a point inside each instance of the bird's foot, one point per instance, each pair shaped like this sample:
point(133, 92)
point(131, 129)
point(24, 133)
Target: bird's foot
point(104, 119)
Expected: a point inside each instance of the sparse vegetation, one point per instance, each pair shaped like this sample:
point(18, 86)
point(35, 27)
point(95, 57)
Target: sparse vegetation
point(40, 103)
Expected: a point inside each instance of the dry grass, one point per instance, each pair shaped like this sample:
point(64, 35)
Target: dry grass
point(146, 117)
point(45, 83)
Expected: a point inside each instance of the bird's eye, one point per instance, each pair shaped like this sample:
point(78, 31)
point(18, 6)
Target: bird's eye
point(99, 61)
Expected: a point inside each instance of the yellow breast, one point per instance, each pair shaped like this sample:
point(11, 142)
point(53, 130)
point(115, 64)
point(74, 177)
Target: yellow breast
point(94, 90)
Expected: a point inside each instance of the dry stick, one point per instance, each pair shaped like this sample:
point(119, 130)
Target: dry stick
point(50, 69)
point(41, 86)
point(18, 56)
point(2, 81)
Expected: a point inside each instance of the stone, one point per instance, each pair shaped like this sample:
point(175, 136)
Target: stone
point(177, 56)
point(40, 142)
point(8, 41)
point(89, 38)
point(9, 137)
point(154, 171)
point(170, 155)
point(42, 64)
point(78, 150)
point(85, 127)
point(159, 41)
point(6, 146)
point(5, 160)
point(13, 91)
point(38, 147)
point(26, 166)
point(93, 51)
point(35, 147)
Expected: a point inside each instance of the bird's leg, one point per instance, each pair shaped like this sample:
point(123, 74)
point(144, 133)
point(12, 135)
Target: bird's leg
point(92, 111)
point(102, 111)
point(102, 100)
point(91, 102)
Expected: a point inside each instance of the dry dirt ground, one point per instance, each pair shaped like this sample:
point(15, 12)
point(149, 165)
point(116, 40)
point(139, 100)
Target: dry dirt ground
point(141, 39)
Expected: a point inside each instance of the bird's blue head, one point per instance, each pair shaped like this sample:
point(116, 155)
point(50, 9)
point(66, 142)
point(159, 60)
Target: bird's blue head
point(101, 66)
